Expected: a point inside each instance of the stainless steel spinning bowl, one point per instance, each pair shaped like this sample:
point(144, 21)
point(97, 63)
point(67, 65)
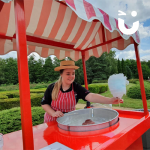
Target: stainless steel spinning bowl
point(102, 117)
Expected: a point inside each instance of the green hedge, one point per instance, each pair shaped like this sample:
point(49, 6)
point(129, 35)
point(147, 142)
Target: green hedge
point(100, 81)
point(11, 119)
point(41, 86)
point(9, 94)
point(135, 81)
point(11, 99)
point(38, 90)
point(135, 91)
point(15, 102)
point(97, 88)
point(3, 96)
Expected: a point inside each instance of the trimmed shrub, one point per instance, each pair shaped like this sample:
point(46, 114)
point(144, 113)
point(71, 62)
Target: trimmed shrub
point(11, 119)
point(103, 89)
point(100, 81)
point(13, 94)
point(15, 102)
point(40, 86)
point(49, 82)
point(3, 97)
point(36, 99)
point(94, 89)
point(11, 99)
point(1, 89)
point(135, 81)
point(9, 103)
point(97, 88)
point(9, 87)
point(38, 90)
point(135, 91)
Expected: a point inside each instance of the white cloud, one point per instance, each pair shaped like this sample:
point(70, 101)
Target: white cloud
point(145, 58)
point(144, 52)
point(146, 3)
point(142, 7)
point(144, 31)
point(130, 54)
point(125, 54)
point(14, 55)
point(36, 55)
point(8, 55)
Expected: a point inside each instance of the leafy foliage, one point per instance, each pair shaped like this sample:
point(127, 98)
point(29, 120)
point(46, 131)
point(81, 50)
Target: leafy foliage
point(98, 88)
point(100, 81)
point(11, 99)
point(97, 69)
point(48, 69)
point(146, 71)
point(124, 71)
point(135, 81)
point(135, 91)
point(119, 67)
point(129, 72)
point(79, 77)
point(11, 119)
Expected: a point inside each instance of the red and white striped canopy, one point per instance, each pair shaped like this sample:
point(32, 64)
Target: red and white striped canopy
point(50, 21)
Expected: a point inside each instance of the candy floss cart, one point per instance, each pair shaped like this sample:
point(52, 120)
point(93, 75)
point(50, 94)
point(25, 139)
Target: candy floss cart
point(75, 29)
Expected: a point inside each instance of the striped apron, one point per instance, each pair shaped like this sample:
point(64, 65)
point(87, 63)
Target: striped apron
point(65, 103)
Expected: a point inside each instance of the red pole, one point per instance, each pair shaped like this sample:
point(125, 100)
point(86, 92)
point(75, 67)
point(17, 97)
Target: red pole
point(23, 74)
point(103, 33)
point(1, 5)
point(85, 75)
point(141, 79)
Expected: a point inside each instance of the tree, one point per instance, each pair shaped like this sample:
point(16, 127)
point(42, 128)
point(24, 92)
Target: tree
point(99, 67)
point(31, 65)
point(148, 64)
point(39, 71)
point(11, 71)
point(146, 71)
point(111, 62)
point(128, 62)
point(119, 67)
point(79, 77)
point(48, 70)
point(129, 73)
point(2, 75)
point(133, 67)
point(89, 72)
point(123, 67)
point(56, 63)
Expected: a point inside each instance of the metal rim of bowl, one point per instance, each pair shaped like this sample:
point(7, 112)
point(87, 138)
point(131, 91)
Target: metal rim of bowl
point(88, 126)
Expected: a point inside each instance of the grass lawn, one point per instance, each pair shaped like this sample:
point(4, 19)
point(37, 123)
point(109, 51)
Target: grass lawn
point(128, 102)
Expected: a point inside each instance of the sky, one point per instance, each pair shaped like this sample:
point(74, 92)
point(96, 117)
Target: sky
point(142, 7)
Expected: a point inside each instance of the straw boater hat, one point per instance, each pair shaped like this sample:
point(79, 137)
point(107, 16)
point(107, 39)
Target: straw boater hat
point(67, 64)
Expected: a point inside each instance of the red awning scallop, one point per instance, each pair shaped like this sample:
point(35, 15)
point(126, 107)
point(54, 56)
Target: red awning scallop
point(53, 28)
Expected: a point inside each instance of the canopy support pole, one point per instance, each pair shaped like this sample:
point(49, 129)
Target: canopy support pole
point(103, 33)
point(23, 74)
point(1, 5)
point(85, 75)
point(141, 79)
